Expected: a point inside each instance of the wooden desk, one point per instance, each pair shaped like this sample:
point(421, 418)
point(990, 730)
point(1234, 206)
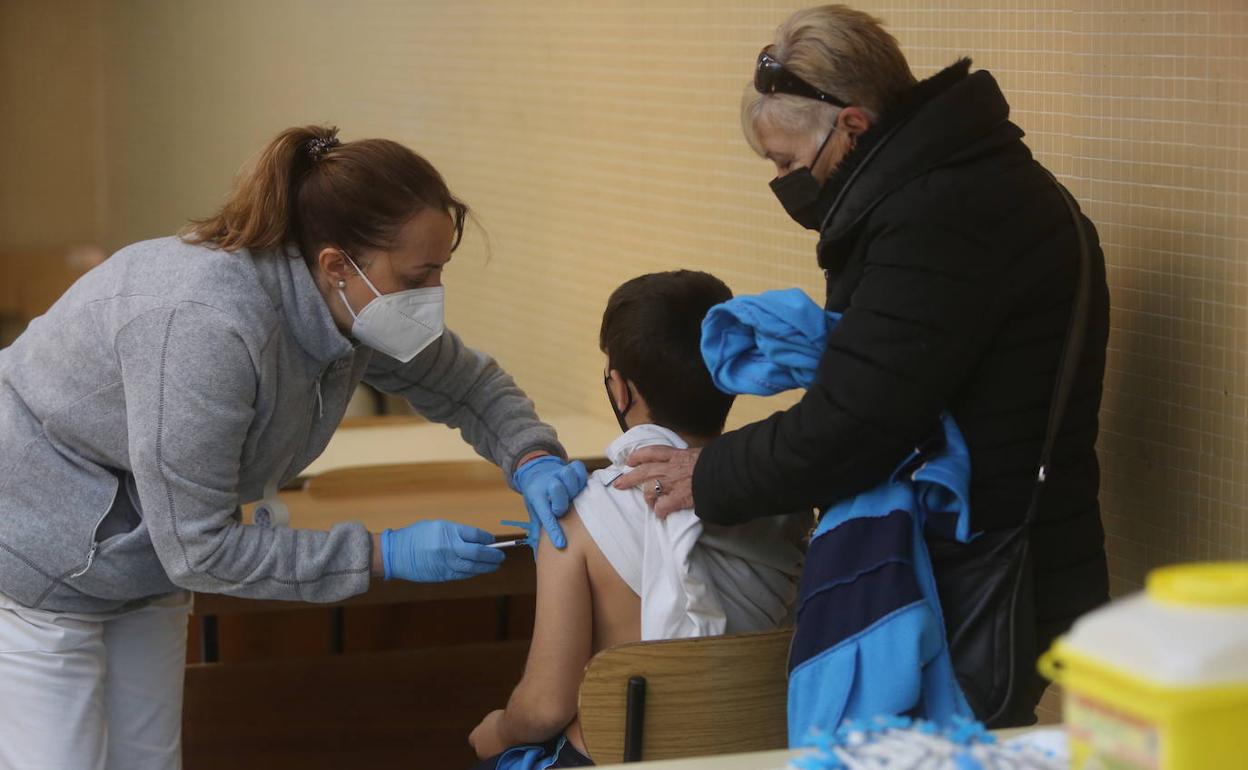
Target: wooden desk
point(410, 709)
point(408, 441)
point(336, 708)
point(482, 506)
point(37, 280)
point(483, 503)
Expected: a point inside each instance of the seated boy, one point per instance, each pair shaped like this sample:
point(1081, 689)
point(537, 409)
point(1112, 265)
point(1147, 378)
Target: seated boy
point(625, 575)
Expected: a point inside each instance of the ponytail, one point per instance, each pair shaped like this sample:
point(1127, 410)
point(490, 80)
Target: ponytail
point(260, 210)
point(308, 189)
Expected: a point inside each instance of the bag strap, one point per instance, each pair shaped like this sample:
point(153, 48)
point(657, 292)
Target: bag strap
point(1072, 350)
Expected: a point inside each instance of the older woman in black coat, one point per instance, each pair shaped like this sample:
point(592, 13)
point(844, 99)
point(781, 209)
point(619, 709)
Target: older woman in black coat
point(953, 257)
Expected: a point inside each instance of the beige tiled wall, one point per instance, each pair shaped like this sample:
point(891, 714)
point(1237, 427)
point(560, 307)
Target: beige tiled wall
point(51, 126)
point(599, 140)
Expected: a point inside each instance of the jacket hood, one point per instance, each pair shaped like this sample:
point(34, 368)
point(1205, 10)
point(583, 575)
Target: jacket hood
point(944, 119)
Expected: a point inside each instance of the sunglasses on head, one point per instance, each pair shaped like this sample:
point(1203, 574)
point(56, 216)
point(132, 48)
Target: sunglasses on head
point(771, 77)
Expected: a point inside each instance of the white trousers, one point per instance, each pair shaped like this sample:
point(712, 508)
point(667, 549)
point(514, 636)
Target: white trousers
point(92, 692)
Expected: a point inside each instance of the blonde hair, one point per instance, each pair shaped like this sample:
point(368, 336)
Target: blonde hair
point(839, 50)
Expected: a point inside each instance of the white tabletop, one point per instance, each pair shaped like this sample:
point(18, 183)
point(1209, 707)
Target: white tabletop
point(762, 760)
point(416, 442)
point(777, 760)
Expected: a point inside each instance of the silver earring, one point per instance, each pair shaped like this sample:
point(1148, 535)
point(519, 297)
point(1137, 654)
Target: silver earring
point(342, 284)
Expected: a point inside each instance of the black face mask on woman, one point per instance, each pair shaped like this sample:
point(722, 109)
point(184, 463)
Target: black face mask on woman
point(803, 197)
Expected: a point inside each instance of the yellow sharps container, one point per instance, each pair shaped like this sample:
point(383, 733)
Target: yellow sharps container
point(1159, 680)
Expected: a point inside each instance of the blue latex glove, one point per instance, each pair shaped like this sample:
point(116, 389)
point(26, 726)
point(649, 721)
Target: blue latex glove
point(548, 486)
point(436, 551)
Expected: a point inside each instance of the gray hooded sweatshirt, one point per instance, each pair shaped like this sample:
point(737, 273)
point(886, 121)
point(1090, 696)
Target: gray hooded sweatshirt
point(164, 390)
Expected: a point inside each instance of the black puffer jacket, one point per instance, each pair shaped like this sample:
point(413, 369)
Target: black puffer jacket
point(953, 257)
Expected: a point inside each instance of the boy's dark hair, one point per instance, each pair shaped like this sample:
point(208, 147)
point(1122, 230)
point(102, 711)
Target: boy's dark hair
point(652, 333)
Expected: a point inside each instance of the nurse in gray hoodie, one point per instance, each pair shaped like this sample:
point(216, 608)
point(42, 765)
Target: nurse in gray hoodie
point(187, 376)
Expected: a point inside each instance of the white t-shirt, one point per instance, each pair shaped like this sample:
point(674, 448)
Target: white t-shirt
point(694, 579)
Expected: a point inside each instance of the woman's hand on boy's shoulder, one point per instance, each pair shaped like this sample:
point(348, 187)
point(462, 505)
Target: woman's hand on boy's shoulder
point(487, 738)
point(665, 475)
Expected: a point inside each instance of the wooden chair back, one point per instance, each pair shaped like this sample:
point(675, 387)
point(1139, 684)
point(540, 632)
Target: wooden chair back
point(712, 695)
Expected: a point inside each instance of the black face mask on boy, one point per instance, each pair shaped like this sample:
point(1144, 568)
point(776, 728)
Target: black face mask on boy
point(804, 198)
point(619, 416)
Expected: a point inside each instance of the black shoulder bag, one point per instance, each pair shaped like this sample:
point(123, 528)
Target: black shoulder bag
point(987, 586)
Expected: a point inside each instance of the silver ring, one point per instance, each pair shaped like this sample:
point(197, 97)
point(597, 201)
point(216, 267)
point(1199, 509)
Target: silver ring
point(658, 488)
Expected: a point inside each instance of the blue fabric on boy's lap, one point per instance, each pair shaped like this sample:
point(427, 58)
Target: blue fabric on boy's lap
point(554, 753)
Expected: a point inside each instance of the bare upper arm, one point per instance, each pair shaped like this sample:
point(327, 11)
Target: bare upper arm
point(562, 632)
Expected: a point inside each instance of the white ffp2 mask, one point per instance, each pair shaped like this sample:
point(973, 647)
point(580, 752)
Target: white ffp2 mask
point(399, 324)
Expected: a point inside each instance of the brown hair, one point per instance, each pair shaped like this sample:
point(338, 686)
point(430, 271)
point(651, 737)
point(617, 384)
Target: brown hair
point(308, 189)
point(652, 333)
